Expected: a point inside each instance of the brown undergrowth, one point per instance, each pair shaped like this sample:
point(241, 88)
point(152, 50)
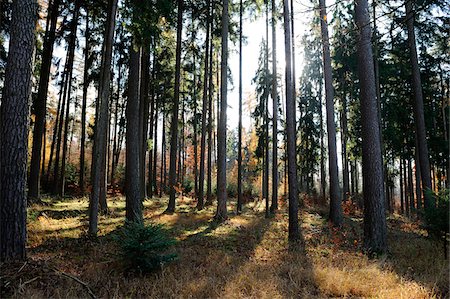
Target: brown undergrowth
point(246, 257)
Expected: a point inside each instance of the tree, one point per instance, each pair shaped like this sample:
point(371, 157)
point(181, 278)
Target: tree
point(374, 205)
point(98, 178)
point(418, 107)
point(221, 212)
point(175, 108)
point(133, 180)
point(239, 177)
point(294, 230)
point(335, 197)
point(274, 205)
point(40, 105)
point(14, 122)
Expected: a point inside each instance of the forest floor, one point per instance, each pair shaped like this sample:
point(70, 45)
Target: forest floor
point(245, 257)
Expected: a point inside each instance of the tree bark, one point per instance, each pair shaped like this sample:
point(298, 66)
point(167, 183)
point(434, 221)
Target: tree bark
point(294, 229)
point(84, 106)
point(221, 212)
point(40, 105)
point(14, 123)
point(200, 202)
point(210, 120)
point(175, 107)
point(239, 177)
point(98, 179)
point(132, 171)
point(374, 203)
point(274, 205)
point(335, 198)
point(418, 107)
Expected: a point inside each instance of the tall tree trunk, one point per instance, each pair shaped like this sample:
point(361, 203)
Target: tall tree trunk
point(221, 212)
point(405, 184)
point(239, 177)
point(163, 155)
point(266, 117)
point(411, 188)
point(98, 179)
point(72, 45)
point(134, 196)
point(323, 183)
point(40, 105)
point(151, 172)
point(374, 210)
point(417, 180)
point(200, 202)
point(175, 107)
point(274, 205)
point(116, 144)
point(294, 229)
point(14, 122)
point(84, 106)
point(335, 198)
point(344, 132)
point(144, 113)
point(155, 148)
point(210, 119)
point(418, 107)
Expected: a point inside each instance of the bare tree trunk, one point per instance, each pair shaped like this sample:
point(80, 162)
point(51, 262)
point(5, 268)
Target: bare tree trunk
point(200, 202)
point(151, 172)
point(335, 198)
point(274, 205)
point(84, 106)
point(294, 229)
point(418, 107)
point(323, 183)
point(144, 106)
point(239, 177)
point(40, 105)
point(221, 213)
point(14, 124)
point(132, 173)
point(155, 148)
point(98, 179)
point(266, 117)
point(374, 203)
point(175, 108)
point(402, 207)
point(72, 45)
point(410, 187)
point(210, 119)
point(417, 173)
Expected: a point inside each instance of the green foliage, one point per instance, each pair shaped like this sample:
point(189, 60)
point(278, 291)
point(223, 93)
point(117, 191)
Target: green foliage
point(144, 247)
point(437, 218)
point(188, 185)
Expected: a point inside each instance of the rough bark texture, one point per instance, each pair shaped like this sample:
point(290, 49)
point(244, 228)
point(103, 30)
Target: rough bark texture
point(40, 105)
point(210, 121)
point(14, 122)
point(274, 204)
point(374, 204)
point(132, 171)
point(335, 197)
point(221, 213)
point(418, 107)
point(98, 178)
point(175, 107)
point(294, 230)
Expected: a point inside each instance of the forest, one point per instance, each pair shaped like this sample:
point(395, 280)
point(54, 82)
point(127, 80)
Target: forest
point(224, 148)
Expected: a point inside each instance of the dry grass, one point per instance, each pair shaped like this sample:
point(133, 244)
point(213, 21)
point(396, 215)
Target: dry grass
point(246, 257)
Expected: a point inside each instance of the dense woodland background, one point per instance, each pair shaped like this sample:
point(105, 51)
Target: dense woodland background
point(115, 120)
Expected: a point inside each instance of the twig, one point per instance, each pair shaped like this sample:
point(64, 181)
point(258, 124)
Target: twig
point(23, 266)
point(91, 294)
point(22, 285)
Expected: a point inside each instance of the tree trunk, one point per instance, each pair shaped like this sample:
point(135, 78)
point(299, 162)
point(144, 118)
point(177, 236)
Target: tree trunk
point(98, 179)
point(14, 122)
point(402, 207)
point(155, 148)
point(132, 171)
point(210, 119)
point(200, 202)
point(335, 198)
point(266, 117)
point(144, 113)
point(239, 177)
point(151, 172)
point(221, 213)
point(374, 210)
point(418, 107)
point(84, 106)
point(175, 107)
point(417, 180)
point(72, 45)
point(40, 105)
point(411, 188)
point(323, 183)
point(274, 205)
point(344, 132)
point(294, 229)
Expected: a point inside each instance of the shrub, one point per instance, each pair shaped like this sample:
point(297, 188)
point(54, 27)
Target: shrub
point(144, 247)
point(437, 218)
point(188, 185)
